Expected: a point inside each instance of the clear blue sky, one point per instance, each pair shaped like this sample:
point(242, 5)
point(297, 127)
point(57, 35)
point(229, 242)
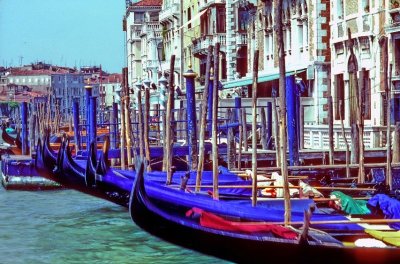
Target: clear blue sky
point(62, 32)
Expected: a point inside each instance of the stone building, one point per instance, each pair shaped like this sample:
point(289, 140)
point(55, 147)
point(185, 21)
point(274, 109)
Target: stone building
point(170, 20)
point(369, 23)
point(65, 88)
point(143, 38)
point(392, 29)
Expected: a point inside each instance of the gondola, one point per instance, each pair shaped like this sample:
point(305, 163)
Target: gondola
point(15, 143)
point(168, 214)
point(73, 175)
point(6, 137)
point(46, 159)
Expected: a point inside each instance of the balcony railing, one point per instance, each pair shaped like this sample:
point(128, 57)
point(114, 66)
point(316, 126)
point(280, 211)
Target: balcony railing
point(151, 27)
point(169, 12)
point(241, 39)
point(201, 44)
point(394, 21)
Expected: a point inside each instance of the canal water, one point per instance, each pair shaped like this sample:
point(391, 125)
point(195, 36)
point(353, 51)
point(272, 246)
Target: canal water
point(65, 226)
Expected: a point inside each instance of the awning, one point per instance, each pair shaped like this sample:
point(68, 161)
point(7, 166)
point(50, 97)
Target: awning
point(263, 78)
point(197, 16)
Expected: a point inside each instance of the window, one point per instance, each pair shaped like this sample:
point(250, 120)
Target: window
point(364, 43)
point(284, 40)
point(365, 6)
point(243, 19)
point(339, 9)
point(267, 48)
point(397, 55)
point(221, 21)
point(339, 47)
point(339, 96)
point(189, 17)
point(289, 38)
point(154, 17)
point(300, 36)
point(138, 17)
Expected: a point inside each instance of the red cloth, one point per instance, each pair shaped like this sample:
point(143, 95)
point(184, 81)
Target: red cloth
point(211, 220)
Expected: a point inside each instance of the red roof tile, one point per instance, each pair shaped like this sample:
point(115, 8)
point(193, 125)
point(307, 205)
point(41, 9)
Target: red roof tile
point(18, 72)
point(148, 3)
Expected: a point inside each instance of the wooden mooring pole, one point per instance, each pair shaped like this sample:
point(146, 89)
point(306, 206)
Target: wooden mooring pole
point(122, 136)
point(203, 120)
point(254, 128)
point(239, 161)
point(244, 125)
point(345, 140)
point(389, 180)
point(383, 42)
point(128, 128)
point(146, 127)
point(215, 122)
point(276, 130)
point(167, 161)
point(396, 144)
point(282, 104)
point(231, 143)
point(330, 131)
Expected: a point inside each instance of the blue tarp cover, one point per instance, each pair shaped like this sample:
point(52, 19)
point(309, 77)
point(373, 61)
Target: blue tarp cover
point(390, 207)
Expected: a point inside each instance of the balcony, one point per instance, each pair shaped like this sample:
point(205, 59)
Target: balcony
point(200, 45)
point(169, 12)
point(207, 3)
point(241, 39)
point(151, 27)
point(136, 31)
point(394, 21)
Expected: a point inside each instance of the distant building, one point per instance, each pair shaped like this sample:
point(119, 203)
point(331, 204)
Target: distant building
point(109, 93)
point(3, 79)
point(65, 88)
point(38, 80)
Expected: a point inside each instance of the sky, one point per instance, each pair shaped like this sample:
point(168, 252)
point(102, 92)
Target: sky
point(63, 32)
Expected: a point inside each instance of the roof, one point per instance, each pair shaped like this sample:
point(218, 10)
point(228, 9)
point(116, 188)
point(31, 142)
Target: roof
point(18, 72)
point(148, 3)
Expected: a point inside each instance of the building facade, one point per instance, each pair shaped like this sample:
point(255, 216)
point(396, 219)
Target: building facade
point(370, 23)
point(65, 88)
point(317, 47)
point(143, 41)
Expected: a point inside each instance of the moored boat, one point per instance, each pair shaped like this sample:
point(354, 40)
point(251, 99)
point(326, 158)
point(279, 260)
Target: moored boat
point(189, 221)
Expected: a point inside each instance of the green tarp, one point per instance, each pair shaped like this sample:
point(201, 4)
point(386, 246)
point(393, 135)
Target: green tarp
point(351, 206)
